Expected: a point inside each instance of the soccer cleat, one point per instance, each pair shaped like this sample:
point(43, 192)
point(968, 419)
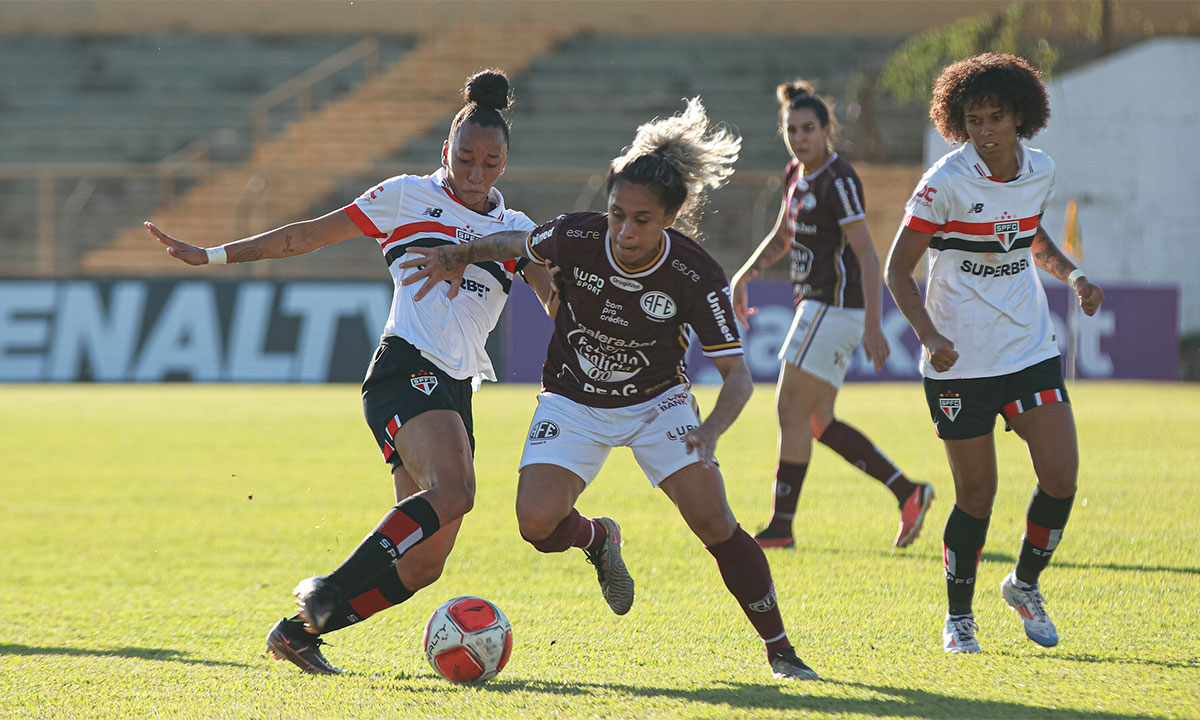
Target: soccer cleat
point(615, 582)
point(786, 666)
point(1029, 603)
point(912, 514)
point(769, 537)
point(958, 635)
point(288, 640)
point(317, 598)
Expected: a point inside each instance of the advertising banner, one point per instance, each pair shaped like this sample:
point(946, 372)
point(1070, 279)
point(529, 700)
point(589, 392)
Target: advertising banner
point(138, 330)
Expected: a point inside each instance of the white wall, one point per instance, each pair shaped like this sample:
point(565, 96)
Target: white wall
point(1124, 133)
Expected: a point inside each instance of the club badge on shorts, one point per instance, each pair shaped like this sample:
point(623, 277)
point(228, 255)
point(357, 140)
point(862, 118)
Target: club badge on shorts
point(424, 381)
point(950, 403)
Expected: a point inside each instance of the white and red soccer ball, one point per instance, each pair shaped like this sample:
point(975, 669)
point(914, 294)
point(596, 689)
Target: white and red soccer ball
point(467, 639)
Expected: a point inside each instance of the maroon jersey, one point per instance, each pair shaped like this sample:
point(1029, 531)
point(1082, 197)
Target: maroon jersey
point(818, 206)
point(620, 334)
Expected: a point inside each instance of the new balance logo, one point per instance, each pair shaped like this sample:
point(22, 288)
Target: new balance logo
point(434, 212)
point(976, 208)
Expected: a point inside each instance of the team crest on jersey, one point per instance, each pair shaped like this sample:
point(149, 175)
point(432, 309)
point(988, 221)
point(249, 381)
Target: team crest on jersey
point(544, 430)
point(950, 403)
point(808, 202)
point(424, 381)
point(658, 305)
point(1006, 230)
point(466, 234)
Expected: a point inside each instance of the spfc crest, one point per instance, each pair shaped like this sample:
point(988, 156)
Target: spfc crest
point(425, 382)
point(950, 403)
point(1006, 232)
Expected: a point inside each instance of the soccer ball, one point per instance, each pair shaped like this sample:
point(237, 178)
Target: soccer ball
point(467, 639)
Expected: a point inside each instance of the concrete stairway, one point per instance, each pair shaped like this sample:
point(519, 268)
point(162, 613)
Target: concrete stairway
point(287, 174)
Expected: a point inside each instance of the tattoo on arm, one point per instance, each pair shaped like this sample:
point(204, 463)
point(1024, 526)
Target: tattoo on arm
point(1048, 257)
point(246, 254)
point(287, 243)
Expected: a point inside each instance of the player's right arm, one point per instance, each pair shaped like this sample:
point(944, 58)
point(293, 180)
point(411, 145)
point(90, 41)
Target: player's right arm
point(294, 239)
point(907, 249)
point(771, 250)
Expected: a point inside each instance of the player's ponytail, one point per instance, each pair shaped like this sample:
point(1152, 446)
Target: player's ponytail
point(486, 94)
point(677, 158)
point(799, 94)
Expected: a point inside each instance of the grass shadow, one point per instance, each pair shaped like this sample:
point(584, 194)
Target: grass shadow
point(1058, 656)
point(156, 654)
point(897, 702)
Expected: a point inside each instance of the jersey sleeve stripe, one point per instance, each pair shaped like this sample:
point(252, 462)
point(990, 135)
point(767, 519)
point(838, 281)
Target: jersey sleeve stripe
point(733, 348)
point(363, 222)
point(530, 251)
point(920, 224)
point(852, 219)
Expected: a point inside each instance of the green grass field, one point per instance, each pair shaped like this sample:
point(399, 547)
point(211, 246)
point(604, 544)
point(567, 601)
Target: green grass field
point(150, 536)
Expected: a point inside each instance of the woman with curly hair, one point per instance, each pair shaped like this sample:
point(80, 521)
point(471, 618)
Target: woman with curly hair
point(631, 284)
point(822, 226)
point(989, 345)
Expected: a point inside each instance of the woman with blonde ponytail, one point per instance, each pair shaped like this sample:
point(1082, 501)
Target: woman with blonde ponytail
point(631, 283)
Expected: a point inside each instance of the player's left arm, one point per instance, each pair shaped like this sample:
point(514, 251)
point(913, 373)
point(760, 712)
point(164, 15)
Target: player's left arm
point(448, 262)
point(736, 388)
point(858, 235)
point(1048, 257)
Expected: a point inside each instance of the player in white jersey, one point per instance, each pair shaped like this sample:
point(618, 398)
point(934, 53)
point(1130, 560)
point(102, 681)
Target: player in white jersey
point(417, 393)
point(632, 283)
point(822, 225)
point(989, 346)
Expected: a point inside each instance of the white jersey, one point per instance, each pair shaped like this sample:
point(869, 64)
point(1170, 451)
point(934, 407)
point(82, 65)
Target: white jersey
point(983, 291)
point(422, 211)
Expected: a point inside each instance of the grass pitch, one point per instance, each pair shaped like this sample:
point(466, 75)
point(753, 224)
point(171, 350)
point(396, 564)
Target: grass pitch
point(150, 535)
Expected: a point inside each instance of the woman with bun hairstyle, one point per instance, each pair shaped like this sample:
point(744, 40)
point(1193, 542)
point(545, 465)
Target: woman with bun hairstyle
point(633, 285)
point(822, 227)
point(417, 391)
point(987, 335)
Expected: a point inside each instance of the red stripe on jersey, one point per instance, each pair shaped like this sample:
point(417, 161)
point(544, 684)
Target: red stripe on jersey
point(393, 426)
point(921, 225)
point(1049, 396)
point(387, 451)
point(399, 528)
point(418, 227)
point(363, 222)
point(1037, 535)
point(369, 603)
point(1013, 408)
point(987, 229)
point(510, 265)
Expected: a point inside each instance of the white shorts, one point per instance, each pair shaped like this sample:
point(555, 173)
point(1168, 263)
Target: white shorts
point(822, 339)
point(577, 437)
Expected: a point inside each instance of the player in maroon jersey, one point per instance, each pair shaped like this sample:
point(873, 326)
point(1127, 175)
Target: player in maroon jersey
point(631, 285)
point(822, 225)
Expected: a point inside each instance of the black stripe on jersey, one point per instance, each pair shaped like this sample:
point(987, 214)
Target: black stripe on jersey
point(491, 267)
point(978, 246)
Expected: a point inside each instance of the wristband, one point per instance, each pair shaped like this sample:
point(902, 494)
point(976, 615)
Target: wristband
point(1075, 275)
point(216, 255)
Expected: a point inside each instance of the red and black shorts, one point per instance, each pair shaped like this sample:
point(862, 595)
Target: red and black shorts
point(965, 408)
point(400, 385)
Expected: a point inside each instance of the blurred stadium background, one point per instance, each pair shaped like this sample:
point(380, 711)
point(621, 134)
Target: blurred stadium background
point(222, 119)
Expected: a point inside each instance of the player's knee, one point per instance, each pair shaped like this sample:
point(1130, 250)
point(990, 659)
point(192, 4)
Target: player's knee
point(536, 520)
point(452, 500)
point(422, 572)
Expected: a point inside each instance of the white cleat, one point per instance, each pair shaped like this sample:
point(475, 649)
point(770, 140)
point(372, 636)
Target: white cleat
point(958, 635)
point(1031, 606)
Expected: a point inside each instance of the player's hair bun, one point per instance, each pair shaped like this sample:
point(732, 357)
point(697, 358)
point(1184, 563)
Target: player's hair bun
point(488, 89)
point(788, 91)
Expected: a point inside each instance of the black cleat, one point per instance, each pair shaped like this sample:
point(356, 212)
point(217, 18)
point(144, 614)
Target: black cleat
point(615, 582)
point(771, 537)
point(288, 640)
point(786, 666)
point(317, 598)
